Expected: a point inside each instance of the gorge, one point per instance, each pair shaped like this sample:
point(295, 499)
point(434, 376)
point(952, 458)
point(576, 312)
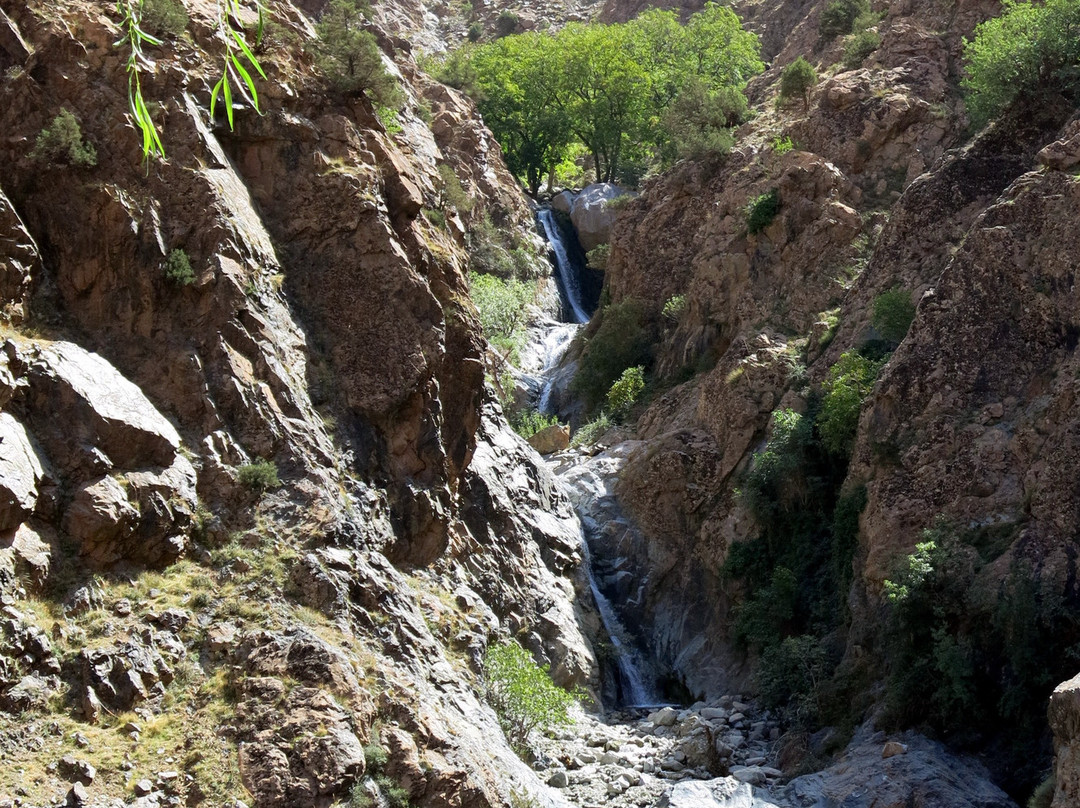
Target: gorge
point(264, 508)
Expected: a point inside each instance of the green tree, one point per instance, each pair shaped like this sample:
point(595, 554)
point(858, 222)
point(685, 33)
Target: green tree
point(838, 17)
point(618, 91)
point(797, 80)
point(62, 142)
point(350, 57)
point(848, 383)
point(625, 391)
point(522, 694)
point(892, 314)
point(1031, 51)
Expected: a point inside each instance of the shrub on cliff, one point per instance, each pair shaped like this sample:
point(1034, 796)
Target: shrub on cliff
point(522, 694)
point(839, 16)
point(164, 17)
point(893, 313)
point(625, 391)
point(761, 211)
point(62, 142)
point(797, 80)
point(621, 341)
point(1031, 51)
point(848, 383)
point(350, 57)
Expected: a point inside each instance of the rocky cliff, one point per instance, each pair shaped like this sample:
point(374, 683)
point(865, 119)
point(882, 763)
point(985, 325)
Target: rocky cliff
point(177, 622)
point(880, 188)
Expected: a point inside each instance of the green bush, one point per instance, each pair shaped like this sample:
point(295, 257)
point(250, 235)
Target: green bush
point(506, 23)
point(839, 16)
point(62, 142)
point(164, 18)
point(522, 694)
point(782, 145)
point(350, 57)
point(849, 381)
point(476, 30)
point(625, 391)
point(700, 118)
point(621, 341)
point(529, 422)
point(1031, 51)
point(774, 479)
point(674, 308)
point(262, 475)
point(453, 194)
point(590, 433)
point(761, 620)
point(797, 80)
point(178, 268)
point(1043, 796)
point(500, 303)
point(790, 676)
point(893, 313)
point(858, 47)
point(493, 251)
point(761, 211)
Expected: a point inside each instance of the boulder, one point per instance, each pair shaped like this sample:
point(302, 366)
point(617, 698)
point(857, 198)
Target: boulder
point(551, 439)
point(563, 201)
point(592, 214)
point(76, 399)
point(20, 472)
point(723, 792)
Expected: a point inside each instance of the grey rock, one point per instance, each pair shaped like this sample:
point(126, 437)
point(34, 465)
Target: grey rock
point(723, 792)
point(664, 717)
point(558, 780)
point(563, 201)
point(21, 471)
point(592, 214)
point(927, 776)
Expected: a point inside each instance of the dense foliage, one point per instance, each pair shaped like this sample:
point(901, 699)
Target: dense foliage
point(522, 694)
point(349, 56)
point(797, 80)
point(634, 94)
point(622, 340)
point(964, 653)
point(1031, 51)
point(893, 313)
point(848, 383)
point(62, 142)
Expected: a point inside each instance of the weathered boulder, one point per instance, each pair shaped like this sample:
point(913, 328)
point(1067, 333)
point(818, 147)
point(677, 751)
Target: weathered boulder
point(563, 201)
point(20, 260)
point(551, 439)
point(593, 215)
point(724, 792)
point(102, 411)
point(121, 676)
point(21, 471)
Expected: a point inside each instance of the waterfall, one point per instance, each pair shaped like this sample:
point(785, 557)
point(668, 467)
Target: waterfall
point(564, 265)
point(632, 685)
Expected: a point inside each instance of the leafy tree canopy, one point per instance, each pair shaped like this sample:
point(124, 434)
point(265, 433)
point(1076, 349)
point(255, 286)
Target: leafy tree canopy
point(624, 92)
point(1031, 50)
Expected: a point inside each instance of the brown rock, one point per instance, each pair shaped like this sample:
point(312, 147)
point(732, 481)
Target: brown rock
point(893, 748)
point(551, 439)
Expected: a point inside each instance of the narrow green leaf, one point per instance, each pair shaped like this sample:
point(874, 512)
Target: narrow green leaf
point(214, 95)
point(228, 100)
point(247, 80)
point(247, 52)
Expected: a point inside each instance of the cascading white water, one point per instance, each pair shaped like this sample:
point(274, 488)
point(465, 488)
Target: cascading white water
point(636, 691)
point(564, 266)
